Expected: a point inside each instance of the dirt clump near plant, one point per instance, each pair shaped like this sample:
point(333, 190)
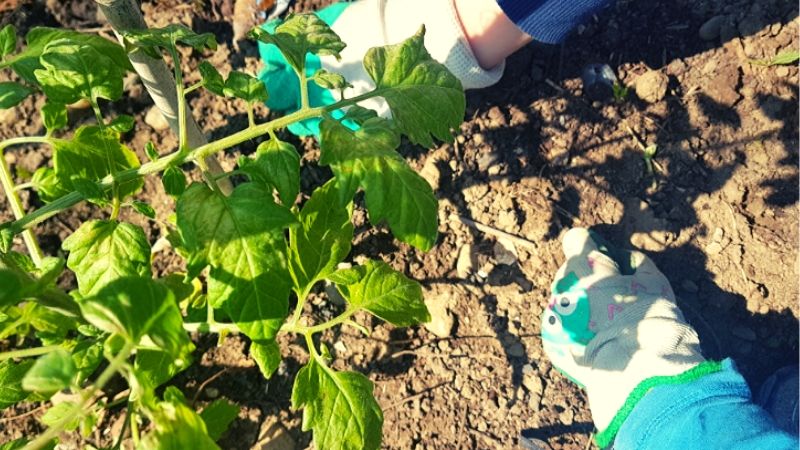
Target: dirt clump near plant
point(533, 157)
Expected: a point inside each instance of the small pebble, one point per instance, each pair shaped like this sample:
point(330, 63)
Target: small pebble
point(710, 30)
point(339, 347)
point(212, 392)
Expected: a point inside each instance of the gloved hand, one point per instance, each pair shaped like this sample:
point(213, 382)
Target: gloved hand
point(613, 327)
point(363, 25)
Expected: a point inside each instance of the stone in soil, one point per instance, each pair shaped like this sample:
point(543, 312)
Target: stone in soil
point(273, 436)
point(467, 261)
point(710, 30)
point(505, 252)
point(651, 86)
point(442, 320)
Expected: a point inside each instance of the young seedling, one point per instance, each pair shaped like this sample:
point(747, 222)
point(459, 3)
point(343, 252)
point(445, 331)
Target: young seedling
point(620, 92)
point(648, 155)
point(253, 257)
point(785, 58)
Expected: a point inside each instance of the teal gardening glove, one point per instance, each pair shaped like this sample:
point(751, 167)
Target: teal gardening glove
point(363, 25)
point(613, 327)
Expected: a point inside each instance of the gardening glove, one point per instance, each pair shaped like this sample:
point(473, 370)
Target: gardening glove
point(612, 326)
point(363, 25)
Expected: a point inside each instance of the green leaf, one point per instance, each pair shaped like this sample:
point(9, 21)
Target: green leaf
point(781, 59)
point(133, 307)
point(8, 40)
point(25, 281)
point(150, 151)
point(301, 34)
point(218, 416)
point(12, 93)
point(346, 277)
point(177, 427)
point(425, 98)
point(11, 375)
point(241, 237)
point(122, 123)
point(157, 367)
point(27, 61)
point(245, 87)
point(102, 251)
point(388, 294)
point(6, 238)
point(16, 444)
point(87, 355)
point(168, 37)
point(376, 136)
point(50, 373)
point(212, 80)
point(277, 164)
point(144, 209)
point(174, 181)
point(47, 185)
point(323, 238)
point(54, 116)
point(77, 71)
point(394, 192)
point(58, 412)
point(267, 355)
point(785, 58)
point(92, 154)
point(330, 80)
point(339, 407)
point(20, 443)
point(90, 191)
point(11, 293)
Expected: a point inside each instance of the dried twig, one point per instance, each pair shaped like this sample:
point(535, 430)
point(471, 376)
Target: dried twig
point(206, 383)
point(522, 242)
point(411, 398)
point(23, 415)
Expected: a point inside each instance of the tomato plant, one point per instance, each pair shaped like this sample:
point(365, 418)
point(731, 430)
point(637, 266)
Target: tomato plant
point(250, 254)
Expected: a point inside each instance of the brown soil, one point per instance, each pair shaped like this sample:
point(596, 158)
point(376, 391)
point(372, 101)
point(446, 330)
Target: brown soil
point(533, 158)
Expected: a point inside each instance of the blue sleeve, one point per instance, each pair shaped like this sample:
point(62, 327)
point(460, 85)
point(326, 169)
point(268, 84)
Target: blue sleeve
point(714, 411)
point(550, 21)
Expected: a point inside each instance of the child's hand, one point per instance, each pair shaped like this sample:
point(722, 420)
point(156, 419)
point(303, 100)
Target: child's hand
point(611, 323)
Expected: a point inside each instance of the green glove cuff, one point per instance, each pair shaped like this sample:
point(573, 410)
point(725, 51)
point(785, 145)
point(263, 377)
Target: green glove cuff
point(605, 437)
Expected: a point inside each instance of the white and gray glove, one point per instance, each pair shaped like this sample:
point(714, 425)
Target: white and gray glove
point(616, 331)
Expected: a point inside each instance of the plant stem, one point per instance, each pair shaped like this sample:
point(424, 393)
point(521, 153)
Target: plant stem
point(97, 113)
point(301, 300)
point(115, 206)
point(134, 428)
point(311, 348)
point(303, 89)
point(193, 87)
point(341, 318)
point(251, 121)
point(79, 410)
point(207, 327)
point(23, 186)
point(7, 180)
point(27, 352)
point(177, 157)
